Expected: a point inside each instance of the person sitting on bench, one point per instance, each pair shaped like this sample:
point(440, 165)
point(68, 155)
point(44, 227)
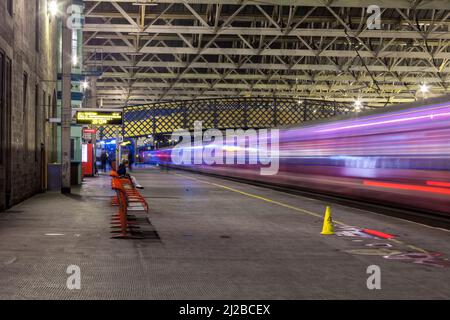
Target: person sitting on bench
point(122, 171)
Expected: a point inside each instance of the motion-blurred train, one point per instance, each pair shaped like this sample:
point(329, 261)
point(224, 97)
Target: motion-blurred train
point(398, 157)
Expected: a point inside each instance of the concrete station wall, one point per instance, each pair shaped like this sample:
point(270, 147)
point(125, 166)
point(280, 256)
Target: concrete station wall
point(28, 39)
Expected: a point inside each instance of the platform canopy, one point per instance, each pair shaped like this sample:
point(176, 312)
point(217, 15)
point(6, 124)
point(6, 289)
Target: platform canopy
point(148, 51)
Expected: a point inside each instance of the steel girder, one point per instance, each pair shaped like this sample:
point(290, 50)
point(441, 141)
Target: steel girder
point(163, 118)
point(168, 50)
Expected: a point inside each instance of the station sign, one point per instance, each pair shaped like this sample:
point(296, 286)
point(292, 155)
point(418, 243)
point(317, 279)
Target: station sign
point(89, 131)
point(99, 117)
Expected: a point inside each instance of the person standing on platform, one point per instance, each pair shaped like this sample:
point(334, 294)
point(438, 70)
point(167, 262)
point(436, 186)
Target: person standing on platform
point(104, 159)
point(112, 160)
point(130, 160)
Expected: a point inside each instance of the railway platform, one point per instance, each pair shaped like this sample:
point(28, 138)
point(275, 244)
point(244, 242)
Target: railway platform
point(210, 238)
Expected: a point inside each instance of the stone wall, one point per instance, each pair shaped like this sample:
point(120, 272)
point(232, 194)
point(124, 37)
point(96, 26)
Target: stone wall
point(28, 38)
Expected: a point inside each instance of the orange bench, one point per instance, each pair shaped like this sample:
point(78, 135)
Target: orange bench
point(128, 200)
point(120, 221)
point(133, 195)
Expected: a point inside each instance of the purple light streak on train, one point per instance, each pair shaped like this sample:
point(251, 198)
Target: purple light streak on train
point(386, 158)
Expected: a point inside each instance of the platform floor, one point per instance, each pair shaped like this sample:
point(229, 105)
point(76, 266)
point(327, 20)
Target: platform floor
point(218, 240)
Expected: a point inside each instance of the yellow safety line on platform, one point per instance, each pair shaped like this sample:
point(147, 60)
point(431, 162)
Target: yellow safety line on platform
point(287, 206)
point(416, 248)
point(261, 198)
point(409, 245)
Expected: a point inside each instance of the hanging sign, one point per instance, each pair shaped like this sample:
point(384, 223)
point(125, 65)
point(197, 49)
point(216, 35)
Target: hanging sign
point(99, 117)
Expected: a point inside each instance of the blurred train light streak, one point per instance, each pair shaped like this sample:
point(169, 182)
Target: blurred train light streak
point(438, 184)
point(405, 187)
point(431, 117)
point(399, 156)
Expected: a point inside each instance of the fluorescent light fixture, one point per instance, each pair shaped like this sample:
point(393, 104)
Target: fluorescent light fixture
point(144, 3)
point(138, 34)
point(74, 60)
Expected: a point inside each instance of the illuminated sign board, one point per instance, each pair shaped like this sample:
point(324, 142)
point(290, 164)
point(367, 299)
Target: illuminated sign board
point(99, 117)
point(89, 131)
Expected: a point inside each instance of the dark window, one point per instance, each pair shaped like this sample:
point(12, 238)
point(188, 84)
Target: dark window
point(36, 122)
point(54, 106)
point(44, 116)
point(5, 106)
point(25, 114)
point(72, 149)
point(37, 24)
point(2, 102)
point(8, 78)
point(9, 7)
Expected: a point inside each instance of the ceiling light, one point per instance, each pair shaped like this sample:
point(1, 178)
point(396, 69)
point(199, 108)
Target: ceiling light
point(358, 105)
point(53, 7)
point(424, 88)
point(85, 85)
point(144, 3)
point(143, 33)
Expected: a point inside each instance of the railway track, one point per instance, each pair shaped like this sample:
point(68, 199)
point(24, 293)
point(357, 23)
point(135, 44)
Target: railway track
point(427, 218)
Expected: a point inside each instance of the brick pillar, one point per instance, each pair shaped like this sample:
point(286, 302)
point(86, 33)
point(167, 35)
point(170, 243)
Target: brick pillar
point(66, 106)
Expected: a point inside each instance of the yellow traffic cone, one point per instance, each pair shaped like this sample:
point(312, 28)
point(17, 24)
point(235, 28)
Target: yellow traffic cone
point(327, 223)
